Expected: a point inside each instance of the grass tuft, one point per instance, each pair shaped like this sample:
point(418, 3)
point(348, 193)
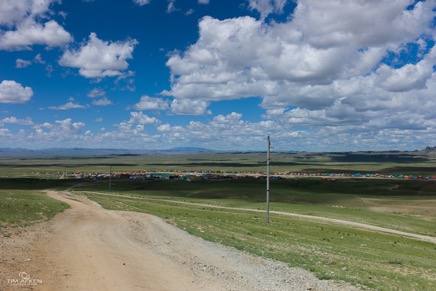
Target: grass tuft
point(21, 208)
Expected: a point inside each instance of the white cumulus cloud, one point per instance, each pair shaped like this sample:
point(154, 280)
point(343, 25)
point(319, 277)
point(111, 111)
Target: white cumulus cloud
point(266, 7)
point(361, 23)
point(65, 132)
point(67, 106)
point(150, 103)
point(189, 106)
point(13, 92)
point(14, 120)
point(49, 33)
point(21, 25)
point(141, 2)
point(20, 63)
point(141, 118)
point(327, 65)
point(96, 92)
point(102, 102)
point(98, 58)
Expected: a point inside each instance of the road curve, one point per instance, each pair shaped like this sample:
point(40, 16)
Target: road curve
point(88, 247)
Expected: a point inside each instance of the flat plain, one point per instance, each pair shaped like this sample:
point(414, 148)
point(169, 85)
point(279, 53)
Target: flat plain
point(221, 197)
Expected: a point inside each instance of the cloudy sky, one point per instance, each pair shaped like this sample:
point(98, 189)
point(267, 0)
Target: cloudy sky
point(334, 75)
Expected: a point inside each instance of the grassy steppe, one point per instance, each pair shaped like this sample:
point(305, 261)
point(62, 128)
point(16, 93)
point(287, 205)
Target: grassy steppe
point(23, 207)
point(416, 163)
point(374, 260)
point(366, 201)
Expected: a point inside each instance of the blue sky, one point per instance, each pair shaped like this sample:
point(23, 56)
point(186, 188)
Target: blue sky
point(339, 75)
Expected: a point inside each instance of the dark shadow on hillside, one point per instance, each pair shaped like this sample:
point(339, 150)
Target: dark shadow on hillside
point(208, 164)
point(227, 165)
point(307, 191)
point(68, 165)
point(377, 158)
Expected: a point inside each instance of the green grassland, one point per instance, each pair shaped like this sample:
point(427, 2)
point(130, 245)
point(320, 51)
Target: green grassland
point(373, 260)
point(23, 207)
point(417, 163)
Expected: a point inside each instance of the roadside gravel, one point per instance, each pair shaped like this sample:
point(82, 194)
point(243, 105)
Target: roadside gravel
point(90, 248)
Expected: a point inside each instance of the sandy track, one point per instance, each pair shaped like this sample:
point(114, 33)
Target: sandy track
point(98, 250)
point(90, 248)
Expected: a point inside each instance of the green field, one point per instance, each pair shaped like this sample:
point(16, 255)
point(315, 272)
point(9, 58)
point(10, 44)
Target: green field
point(23, 207)
point(417, 163)
point(365, 258)
point(373, 260)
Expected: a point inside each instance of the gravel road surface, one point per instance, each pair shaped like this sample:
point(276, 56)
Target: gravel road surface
point(90, 248)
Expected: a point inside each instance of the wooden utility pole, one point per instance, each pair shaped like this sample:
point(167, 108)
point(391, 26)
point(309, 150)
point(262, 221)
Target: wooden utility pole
point(110, 178)
point(267, 180)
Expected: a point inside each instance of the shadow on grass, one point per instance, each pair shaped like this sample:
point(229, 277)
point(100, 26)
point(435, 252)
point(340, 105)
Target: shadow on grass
point(377, 158)
point(311, 191)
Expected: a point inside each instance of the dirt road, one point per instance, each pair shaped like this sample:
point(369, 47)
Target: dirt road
point(90, 248)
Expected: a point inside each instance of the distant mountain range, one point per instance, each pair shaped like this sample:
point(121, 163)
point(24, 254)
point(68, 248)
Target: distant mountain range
point(430, 149)
point(20, 152)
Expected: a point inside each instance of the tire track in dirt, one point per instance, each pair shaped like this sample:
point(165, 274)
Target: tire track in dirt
point(97, 250)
